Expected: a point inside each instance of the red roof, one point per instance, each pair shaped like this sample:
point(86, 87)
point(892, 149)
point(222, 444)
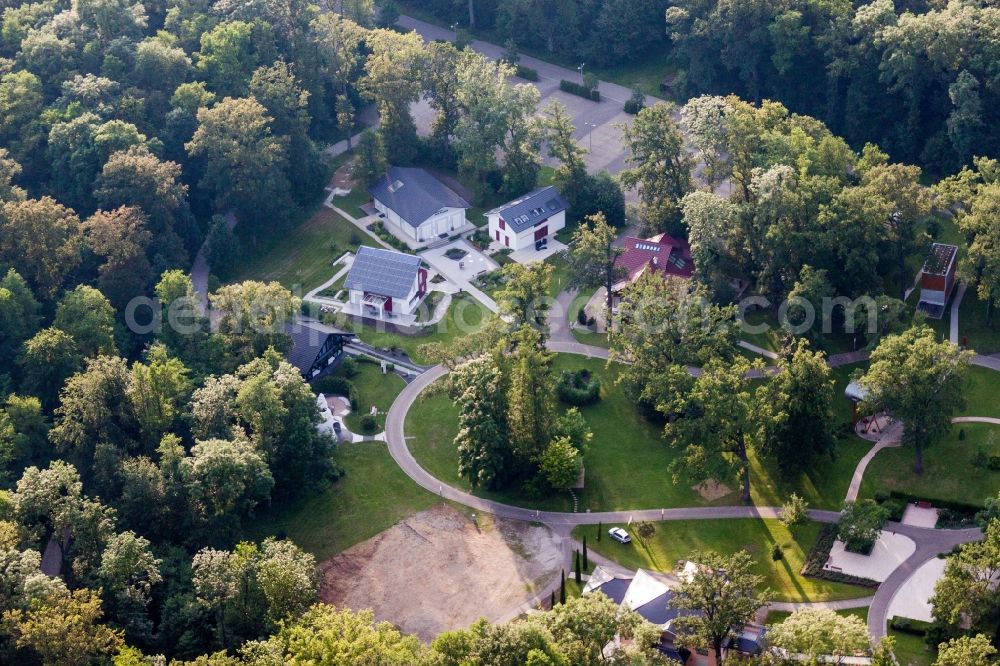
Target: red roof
point(661, 254)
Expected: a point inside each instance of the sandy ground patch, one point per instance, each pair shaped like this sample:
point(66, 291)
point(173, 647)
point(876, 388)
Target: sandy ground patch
point(712, 489)
point(438, 570)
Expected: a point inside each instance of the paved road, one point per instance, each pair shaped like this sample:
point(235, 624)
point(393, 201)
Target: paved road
point(930, 542)
point(596, 122)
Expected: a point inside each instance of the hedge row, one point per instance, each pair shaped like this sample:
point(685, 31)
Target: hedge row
point(580, 90)
point(820, 553)
point(911, 627)
point(578, 388)
point(527, 73)
point(333, 385)
point(958, 507)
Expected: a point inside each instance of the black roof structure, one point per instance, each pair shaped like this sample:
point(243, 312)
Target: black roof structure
point(414, 194)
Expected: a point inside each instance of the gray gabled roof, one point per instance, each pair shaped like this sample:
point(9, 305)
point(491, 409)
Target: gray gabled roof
point(414, 194)
point(383, 272)
point(532, 208)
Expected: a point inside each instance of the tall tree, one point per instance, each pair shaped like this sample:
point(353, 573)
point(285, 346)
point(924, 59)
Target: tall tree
point(393, 81)
point(532, 396)
point(719, 597)
point(89, 318)
point(593, 256)
point(819, 634)
point(967, 651)
point(246, 164)
point(661, 167)
point(40, 239)
point(121, 237)
point(479, 388)
point(48, 360)
point(252, 317)
point(979, 223)
point(920, 381)
point(718, 423)
point(800, 401)
point(661, 328)
point(524, 297)
point(572, 170)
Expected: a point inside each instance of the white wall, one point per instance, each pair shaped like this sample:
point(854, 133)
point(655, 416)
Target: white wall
point(445, 222)
point(525, 239)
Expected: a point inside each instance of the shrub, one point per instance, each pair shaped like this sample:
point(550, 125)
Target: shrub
point(981, 458)
point(591, 322)
point(331, 385)
point(636, 103)
point(860, 524)
point(961, 434)
point(895, 507)
point(881, 496)
point(581, 317)
point(994, 463)
point(777, 553)
point(350, 367)
point(911, 627)
point(578, 388)
point(820, 553)
point(574, 88)
point(794, 511)
point(527, 73)
point(368, 423)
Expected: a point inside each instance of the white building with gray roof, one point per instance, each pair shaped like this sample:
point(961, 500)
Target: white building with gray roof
point(417, 207)
point(528, 221)
point(385, 284)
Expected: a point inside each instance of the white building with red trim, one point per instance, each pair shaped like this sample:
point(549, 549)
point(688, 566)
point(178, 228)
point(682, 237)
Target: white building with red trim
point(384, 283)
point(528, 222)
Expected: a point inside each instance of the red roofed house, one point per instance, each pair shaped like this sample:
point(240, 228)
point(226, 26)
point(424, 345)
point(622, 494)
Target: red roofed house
point(661, 255)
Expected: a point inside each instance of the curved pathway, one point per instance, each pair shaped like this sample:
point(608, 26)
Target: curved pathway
point(930, 542)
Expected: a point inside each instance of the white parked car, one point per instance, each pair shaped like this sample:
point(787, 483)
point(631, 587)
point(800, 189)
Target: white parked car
point(619, 535)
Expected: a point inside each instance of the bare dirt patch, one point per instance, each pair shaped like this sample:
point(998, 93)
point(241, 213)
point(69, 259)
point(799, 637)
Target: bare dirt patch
point(438, 570)
point(712, 489)
point(342, 176)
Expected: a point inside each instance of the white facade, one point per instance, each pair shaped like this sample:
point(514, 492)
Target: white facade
point(502, 233)
point(399, 306)
point(445, 221)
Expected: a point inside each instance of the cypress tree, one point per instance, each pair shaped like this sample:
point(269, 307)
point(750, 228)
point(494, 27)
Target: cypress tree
point(586, 560)
point(552, 600)
point(600, 528)
point(576, 567)
point(562, 586)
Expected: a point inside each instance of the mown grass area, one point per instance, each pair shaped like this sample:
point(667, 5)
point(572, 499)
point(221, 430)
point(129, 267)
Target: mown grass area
point(302, 258)
point(982, 397)
point(374, 495)
point(352, 202)
point(466, 315)
point(561, 275)
point(912, 650)
point(985, 339)
point(591, 338)
point(677, 540)
point(626, 464)
point(374, 389)
point(950, 472)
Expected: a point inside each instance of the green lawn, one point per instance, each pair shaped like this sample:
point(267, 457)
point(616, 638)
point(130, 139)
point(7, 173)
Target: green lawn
point(677, 540)
point(374, 388)
point(561, 275)
point(626, 464)
point(373, 496)
point(302, 258)
point(465, 315)
point(982, 397)
point(591, 338)
point(912, 650)
point(949, 472)
point(353, 201)
point(972, 324)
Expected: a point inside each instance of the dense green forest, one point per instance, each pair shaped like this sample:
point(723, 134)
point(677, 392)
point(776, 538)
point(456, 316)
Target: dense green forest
point(917, 78)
